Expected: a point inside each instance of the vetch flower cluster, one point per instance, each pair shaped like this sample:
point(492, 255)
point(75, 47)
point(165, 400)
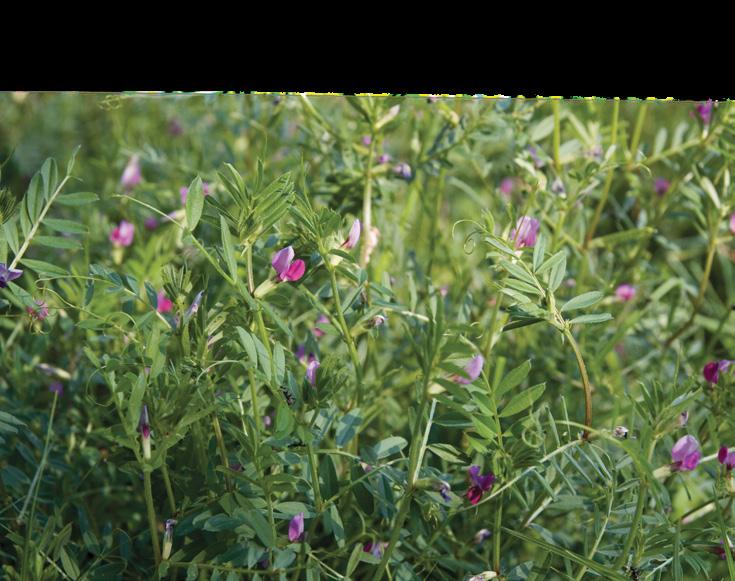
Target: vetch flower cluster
point(8, 274)
point(480, 484)
point(525, 233)
point(685, 455)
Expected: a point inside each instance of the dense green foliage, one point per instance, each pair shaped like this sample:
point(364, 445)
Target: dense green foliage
point(536, 290)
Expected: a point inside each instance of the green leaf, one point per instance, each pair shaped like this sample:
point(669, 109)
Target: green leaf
point(70, 566)
point(247, 342)
point(582, 301)
point(389, 446)
point(557, 274)
point(77, 199)
point(194, 203)
point(523, 400)
point(261, 527)
point(44, 267)
point(58, 242)
point(538, 252)
point(512, 379)
point(227, 248)
point(347, 427)
point(135, 403)
point(65, 226)
point(589, 319)
point(551, 262)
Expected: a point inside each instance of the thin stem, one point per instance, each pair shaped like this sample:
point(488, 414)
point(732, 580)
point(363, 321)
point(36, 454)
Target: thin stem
point(33, 491)
point(585, 381)
point(315, 478)
point(557, 136)
point(711, 250)
point(367, 201)
point(637, 132)
point(152, 521)
point(222, 449)
point(169, 488)
point(346, 333)
point(608, 179)
point(496, 534)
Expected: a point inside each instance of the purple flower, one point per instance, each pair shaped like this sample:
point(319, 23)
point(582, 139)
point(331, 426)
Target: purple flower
point(57, 387)
point(661, 186)
point(163, 303)
point(377, 321)
point(194, 307)
point(267, 421)
point(557, 187)
point(8, 274)
point(122, 235)
point(704, 110)
point(727, 458)
point(472, 369)
point(506, 186)
point(150, 223)
point(480, 484)
point(482, 535)
point(184, 191)
point(685, 454)
point(168, 538)
point(131, 174)
point(41, 312)
point(296, 528)
point(625, 293)
point(353, 237)
point(316, 330)
point(375, 549)
point(144, 427)
point(366, 140)
point(525, 232)
point(537, 161)
point(286, 267)
point(444, 489)
point(712, 370)
point(383, 158)
point(402, 170)
point(300, 352)
point(311, 368)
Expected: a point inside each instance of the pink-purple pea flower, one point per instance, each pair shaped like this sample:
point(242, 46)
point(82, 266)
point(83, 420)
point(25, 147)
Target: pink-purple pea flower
point(375, 549)
point(288, 269)
point(402, 170)
point(296, 528)
point(353, 237)
point(131, 174)
point(311, 368)
point(40, 312)
point(184, 191)
point(144, 427)
point(661, 186)
point(151, 223)
point(482, 535)
point(57, 387)
point(8, 274)
point(625, 292)
point(316, 330)
point(194, 307)
point(383, 158)
point(712, 370)
point(525, 233)
point(122, 235)
point(366, 140)
point(480, 484)
point(727, 458)
point(704, 110)
point(473, 370)
point(163, 303)
point(686, 454)
point(506, 186)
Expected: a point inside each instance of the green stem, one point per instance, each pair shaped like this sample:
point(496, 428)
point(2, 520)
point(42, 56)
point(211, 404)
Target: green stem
point(349, 340)
point(33, 490)
point(169, 488)
point(557, 136)
point(413, 465)
point(496, 534)
point(367, 201)
point(152, 521)
point(608, 179)
point(585, 381)
point(637, 133)
point(315, 478)
point(222, 449)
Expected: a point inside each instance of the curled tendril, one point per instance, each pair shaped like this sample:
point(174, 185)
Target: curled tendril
point(530, 431)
